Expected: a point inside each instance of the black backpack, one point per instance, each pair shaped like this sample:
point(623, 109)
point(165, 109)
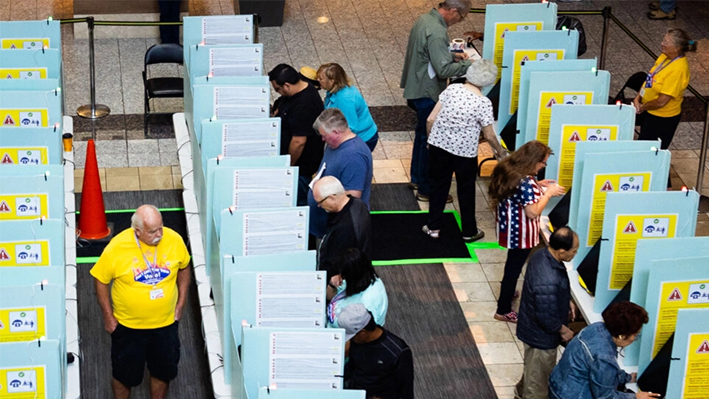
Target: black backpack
point(573, 23)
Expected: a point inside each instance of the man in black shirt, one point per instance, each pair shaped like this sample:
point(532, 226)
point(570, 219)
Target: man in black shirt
point(379, 362)
point(298, 107)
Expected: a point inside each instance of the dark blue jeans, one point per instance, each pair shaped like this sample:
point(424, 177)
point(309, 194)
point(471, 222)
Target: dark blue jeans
point(419, 155)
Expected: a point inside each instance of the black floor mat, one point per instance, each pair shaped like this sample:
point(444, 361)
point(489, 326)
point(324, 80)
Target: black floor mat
point(174, 219)
point(398, 239)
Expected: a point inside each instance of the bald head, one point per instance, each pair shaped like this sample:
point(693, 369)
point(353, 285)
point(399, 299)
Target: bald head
point(329, 193)
point(147, 224)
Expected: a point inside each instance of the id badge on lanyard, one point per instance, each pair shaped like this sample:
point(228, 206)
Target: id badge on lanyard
point(155, 293)
point(648, 80)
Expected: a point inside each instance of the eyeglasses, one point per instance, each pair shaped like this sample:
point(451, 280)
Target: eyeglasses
point(462, 14)
point(323, 200)
point(543, 162)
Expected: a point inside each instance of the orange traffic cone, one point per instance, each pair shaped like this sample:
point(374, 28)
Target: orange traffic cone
point(92, 219)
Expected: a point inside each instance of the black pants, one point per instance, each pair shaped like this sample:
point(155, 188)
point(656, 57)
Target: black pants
point(440, 173)
point(656, 127)
point(513, 268)
point(169, 12)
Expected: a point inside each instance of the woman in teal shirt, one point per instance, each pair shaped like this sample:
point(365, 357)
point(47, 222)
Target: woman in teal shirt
point(342, 95)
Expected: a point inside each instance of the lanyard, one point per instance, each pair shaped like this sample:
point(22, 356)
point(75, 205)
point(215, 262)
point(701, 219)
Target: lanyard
point(663, 66)
point(155, 254)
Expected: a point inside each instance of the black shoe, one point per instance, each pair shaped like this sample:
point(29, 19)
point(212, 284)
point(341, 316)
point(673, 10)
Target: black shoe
point(424, 198)
point(480, 234)
point(413, 186)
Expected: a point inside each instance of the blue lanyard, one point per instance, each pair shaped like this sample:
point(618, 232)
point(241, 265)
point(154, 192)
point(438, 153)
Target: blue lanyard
point(155, 254)
point(663, 66)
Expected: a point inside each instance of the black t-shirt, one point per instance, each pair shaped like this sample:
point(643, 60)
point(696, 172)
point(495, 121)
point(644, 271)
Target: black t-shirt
point(384, 368)
point(298, 113)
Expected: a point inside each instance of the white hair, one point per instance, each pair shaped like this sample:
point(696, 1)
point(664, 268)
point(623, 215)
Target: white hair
point(481, 73)
point(329, 185)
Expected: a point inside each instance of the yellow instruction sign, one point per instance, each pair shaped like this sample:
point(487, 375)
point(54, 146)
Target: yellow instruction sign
point(572, 134)
point(23, 73)
point(696, 371)
point(676, 295)
point(603, 183)
point(23, 206)
point(522, 56)
point(24, 253)
point(628, 230)
point(24, 117)
point(501, 28)
point(24, 155)
point(22, 324)
point(28, 43)
point(23, 383)
point(548, 98)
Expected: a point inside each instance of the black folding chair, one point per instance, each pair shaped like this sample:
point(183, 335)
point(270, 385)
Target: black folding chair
point(161, 87)
point(635, 82)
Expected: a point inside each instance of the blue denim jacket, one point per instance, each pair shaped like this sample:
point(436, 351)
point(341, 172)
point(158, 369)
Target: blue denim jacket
point(588, 369)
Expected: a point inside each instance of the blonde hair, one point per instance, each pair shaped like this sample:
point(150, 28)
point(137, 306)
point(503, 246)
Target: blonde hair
point(337, 74)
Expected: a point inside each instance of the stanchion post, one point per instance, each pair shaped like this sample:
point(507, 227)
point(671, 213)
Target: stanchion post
point(604, 40)
point(93, 110)
point(704, 200)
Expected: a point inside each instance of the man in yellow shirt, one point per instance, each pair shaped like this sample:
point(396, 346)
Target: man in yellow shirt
point(148, 265)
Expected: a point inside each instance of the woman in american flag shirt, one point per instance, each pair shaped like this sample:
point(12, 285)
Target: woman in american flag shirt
point(520, 200)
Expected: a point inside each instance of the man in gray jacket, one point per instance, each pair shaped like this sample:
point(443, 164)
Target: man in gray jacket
point(427, 67)
point(544, 312)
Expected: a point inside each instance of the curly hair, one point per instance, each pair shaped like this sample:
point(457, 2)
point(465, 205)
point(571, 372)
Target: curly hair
point(624, 318)
point(508, 174)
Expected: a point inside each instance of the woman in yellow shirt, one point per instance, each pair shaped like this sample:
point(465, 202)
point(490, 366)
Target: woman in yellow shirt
point(659, 103)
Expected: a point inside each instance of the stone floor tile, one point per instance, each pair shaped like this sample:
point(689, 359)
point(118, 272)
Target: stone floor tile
point(490, 331)
point(465, 272)
point(504, 375)
point(499, 353)
point(123, 183)
point(156, 182)
point(478, 311)
point(494, 271)
point(474, 292)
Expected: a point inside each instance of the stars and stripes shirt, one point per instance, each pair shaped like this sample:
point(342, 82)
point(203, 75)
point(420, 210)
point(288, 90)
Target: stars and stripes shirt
point(514, 229)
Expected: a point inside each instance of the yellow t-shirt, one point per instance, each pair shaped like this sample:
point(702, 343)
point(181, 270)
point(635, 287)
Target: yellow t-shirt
point(672, 80)
point(143, 298)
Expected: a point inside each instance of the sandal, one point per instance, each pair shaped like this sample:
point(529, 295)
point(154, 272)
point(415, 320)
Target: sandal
point(510, 317)
point(480, 234)
point(431, 233)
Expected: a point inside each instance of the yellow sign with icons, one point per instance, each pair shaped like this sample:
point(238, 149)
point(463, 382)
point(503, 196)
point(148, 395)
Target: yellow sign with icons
point(24, 155)
point(23, 383)
point(522, 56)
point(676, 295)
point(603, 183)
point(572, 134)
point(23, 206)
point(29, 43)
point(23, 324)
point(24, 253)
point(501, 28)
point(696, 377)
point(23, 73)
point(24, 117)
point(628, 230)
point(548, 98)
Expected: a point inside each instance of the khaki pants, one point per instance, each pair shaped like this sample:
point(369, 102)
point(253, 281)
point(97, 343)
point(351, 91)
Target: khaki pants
point(538, 365)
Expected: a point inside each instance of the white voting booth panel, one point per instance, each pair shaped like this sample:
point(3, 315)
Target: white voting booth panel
point(681, 283)
point(298, 358)
point(522, 46)
point(35, 146)
point(618, 172)
point(226, 60)
point(31, 370)
point(649, 250)
point(563, 87)
point(573, 124)
point(526, 69)
point(30, 64)
point(503, 18)
point(259, 298)
point(32, 242)
point(632, 216)
point(690, 354)
point(30, 35)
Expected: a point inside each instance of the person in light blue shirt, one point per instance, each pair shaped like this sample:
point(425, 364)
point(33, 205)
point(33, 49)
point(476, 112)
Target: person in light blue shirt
point(341, 94)
point(355, 282)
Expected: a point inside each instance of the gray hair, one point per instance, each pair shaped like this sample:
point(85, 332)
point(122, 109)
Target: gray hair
point(463, 6)
point(329, 185)
point(136, 221)
point(331, 119)
point(481, 73)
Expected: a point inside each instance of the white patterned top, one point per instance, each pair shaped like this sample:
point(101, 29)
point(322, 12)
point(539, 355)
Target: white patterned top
point(457, 126)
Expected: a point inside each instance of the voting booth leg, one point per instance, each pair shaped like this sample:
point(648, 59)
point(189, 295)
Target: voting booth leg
point(92, 219)
point(93, 110)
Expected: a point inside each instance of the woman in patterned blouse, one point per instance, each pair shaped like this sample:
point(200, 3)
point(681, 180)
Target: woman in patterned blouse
point(520, 201)
point(454, 127)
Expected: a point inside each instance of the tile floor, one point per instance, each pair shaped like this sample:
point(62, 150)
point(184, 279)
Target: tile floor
point(368, 38)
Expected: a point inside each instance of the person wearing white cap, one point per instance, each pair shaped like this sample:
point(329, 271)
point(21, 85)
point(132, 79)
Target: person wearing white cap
point(379, 362)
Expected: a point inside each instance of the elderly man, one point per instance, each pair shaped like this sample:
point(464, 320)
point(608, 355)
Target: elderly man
point(348, 223)
point(346, 157)
point(544, 312)
point(148, 265)
point(298, 107)
point(379, 362)
point(427, 67)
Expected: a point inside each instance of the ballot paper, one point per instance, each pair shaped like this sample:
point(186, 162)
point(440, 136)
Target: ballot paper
point(251, 139)
point(263, 188)
point(235, 61)
point(290, 299)
point(227, 30)
point(274, 232)
point(306, 360)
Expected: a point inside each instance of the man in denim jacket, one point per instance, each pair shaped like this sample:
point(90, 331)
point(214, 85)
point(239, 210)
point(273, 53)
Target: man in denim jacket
point(544, 312)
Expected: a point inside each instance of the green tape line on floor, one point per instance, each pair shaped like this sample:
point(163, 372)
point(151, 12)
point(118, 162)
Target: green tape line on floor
point(87, 259)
